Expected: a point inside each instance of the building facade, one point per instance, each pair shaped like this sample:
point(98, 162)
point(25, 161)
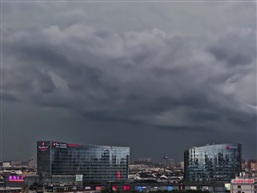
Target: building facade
point(243, 185)
point(212, 163)
point(95, 162)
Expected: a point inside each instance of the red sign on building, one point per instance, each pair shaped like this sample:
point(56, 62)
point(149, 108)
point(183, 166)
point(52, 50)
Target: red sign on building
point(242, 181)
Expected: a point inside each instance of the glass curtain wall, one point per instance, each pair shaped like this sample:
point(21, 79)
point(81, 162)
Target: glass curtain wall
point(95, 162)
point(212, 163)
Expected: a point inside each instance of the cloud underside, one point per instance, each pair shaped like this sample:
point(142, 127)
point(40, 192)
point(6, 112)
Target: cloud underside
point(149, 77)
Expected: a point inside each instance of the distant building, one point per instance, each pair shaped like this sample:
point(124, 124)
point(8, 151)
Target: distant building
point(143, 162)
point(253, 166)
point(95, 163)
point(6, 164)
point(182, 164)
point(137, 167)
point(32, 163)
point(170, 163)
point(243, 185)
point(144, 159)
point(243, 166)
point(212, 163)
point(16, 163)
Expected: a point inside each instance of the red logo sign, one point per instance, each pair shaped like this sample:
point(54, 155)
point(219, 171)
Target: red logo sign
point(242, 181)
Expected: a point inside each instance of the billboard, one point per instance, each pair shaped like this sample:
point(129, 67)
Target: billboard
point(192, 187)
point(99, 188)
point(169, 188)
point(242, 181)
point(166, 188)
point(139, 188)
point(204, 188)
point(115, 188)
point(126, 187)
point(79, 178)
point(227, 187)
point(16, 178)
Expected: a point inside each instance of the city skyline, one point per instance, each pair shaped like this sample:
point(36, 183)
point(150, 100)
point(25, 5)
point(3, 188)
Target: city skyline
point(156, 77)
point(133, 159)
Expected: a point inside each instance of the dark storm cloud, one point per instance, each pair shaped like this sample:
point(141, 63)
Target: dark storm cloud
point(8, 97)
point(135, 79)
point(107, 117)
point(243, 120)
point(137, 74)
point(189, 129)
point(235, 49)
point(198, 116)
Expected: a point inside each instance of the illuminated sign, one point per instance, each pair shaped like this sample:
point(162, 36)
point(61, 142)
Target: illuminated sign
point(79, 178)
point(206, 188)
point(192, 187)
point(139, 188)
point(231, 147)
point(16, 178)
point(126, 187)
point(73, 145)
point(59, 145)
point(118, 175)
point(227, 187)
point(43, 146)
point(115, 188)
point(99, 187)
point(242, 181)
point(169, 188)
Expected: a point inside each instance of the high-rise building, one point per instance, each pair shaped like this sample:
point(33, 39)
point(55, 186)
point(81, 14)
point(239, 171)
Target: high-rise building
point(212, 163)
point(95, 162)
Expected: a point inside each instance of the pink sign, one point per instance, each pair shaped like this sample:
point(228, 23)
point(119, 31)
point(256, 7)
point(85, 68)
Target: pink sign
point(16, 178)
point(242, 181)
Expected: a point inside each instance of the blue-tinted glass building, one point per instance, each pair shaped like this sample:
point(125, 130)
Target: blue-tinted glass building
point(95, 162)
point(212, 163)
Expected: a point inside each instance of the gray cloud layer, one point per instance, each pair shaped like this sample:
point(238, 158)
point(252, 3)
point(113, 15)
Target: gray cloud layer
point(182, 70)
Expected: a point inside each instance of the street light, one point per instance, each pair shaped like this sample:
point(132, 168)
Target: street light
point(165, 158)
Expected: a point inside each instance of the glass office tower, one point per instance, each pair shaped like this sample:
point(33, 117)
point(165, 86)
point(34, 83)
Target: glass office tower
point(95, 162)
point(212, 163)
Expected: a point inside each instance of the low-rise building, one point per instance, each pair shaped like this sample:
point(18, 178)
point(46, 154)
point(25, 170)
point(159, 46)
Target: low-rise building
point(242, 185)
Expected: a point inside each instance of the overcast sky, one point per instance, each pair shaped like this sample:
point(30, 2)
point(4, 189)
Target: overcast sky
point(159, 77)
